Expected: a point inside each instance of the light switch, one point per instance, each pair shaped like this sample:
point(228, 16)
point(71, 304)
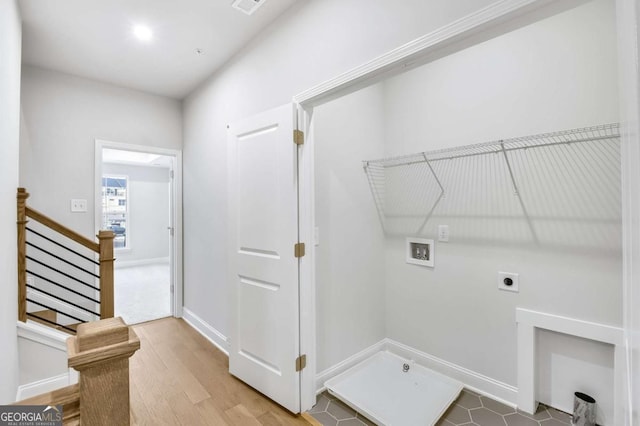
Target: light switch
point(443, 233)
point(79, 206)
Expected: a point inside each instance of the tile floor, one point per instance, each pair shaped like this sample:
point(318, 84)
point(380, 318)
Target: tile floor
point(469, 409)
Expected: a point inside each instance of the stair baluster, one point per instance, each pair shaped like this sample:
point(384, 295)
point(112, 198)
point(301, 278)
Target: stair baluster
point(69, 296)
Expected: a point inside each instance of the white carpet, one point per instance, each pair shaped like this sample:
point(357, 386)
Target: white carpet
point(142, 293)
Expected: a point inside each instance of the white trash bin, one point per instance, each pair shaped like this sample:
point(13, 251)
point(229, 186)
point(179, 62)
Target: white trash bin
point(584, 410)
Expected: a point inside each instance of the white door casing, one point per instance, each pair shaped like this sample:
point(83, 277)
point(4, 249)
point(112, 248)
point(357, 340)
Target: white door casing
point(263, 218)
point(175, 209)
point(499, 17)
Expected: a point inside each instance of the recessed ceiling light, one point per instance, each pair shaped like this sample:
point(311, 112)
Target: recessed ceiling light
point(142, 32)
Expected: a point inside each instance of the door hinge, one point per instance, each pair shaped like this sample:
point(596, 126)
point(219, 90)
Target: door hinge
point(301, 362)
point(298, 137)
point(171, 174)
point(299, 249)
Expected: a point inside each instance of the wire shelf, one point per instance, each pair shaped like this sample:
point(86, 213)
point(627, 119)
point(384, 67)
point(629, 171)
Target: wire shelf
point(517, 189)
point(601, 132)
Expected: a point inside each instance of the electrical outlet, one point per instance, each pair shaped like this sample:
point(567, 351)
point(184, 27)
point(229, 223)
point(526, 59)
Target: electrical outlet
point(78, 206)
point(508, 281)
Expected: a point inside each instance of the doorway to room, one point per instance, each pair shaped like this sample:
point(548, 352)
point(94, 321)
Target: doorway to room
point(136, 196)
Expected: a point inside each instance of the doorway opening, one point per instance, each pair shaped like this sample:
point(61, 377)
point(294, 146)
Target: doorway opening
point(326, 363)
point(136, 198)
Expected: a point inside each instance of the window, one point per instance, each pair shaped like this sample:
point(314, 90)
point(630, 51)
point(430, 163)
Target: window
point(115, 215)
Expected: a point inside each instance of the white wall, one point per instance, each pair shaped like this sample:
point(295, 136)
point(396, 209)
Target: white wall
point(318, 40)
point(558, 74)
point(518, 84)
point(567, 364)
point(313, 42)
point(350, 279)
point(628, 14)
point(148, 202)
point(43, 360)
point(10, 52)
point(40, 362)
point(62, 116)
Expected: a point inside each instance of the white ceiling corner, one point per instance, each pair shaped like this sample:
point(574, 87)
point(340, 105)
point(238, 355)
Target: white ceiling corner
point(94, 39)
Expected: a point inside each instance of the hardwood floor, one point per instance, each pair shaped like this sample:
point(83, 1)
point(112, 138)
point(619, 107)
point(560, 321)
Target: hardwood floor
point(180, 378)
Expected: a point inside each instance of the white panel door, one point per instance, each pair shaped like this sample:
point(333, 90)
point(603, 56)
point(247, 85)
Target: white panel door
point(263, 215)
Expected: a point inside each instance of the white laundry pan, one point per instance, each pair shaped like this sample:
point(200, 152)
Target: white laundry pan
point(379, 389)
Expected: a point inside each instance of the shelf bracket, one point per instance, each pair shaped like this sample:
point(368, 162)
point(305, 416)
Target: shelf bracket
point(376, 197)
point(440, 197)
point(517, 193)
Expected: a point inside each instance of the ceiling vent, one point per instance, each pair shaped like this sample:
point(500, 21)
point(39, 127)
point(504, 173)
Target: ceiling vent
point(247, 6)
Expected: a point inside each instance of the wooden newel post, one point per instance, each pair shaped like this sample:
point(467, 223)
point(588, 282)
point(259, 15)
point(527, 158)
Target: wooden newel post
point(22, 253)
point(100, 352)
point(106, 273)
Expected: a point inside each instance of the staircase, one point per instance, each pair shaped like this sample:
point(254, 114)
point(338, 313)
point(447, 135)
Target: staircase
point(64, 278)
point(100, 352)
point(65, 281)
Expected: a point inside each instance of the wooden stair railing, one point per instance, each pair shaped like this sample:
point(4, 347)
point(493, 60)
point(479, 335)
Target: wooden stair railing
point(68, 397)
point(103, 248)
point(100, 352)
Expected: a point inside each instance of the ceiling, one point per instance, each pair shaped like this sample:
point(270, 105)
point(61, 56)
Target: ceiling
point(94, 39)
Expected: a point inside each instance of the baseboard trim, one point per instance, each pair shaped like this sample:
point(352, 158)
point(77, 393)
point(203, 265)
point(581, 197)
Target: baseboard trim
point(43, 334)
point(46, 385)
point(342, 366)
point(141, 262)
point(218, 339)
point(472, 380)
point(60, 306)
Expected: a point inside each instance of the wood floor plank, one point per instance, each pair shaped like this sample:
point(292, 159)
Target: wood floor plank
point(139, 410)
point(152, 388)
point(269, 419)
point(159, 410)
point(179, 378)
point(212, 379)
point(188, 382)
point(190, 416)
point(310, 419)
point(240, 416)
point(210, 411)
